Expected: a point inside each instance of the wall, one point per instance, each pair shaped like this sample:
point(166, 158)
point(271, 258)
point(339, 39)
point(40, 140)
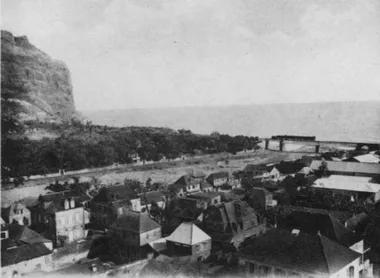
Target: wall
point(150, 236)
point(202, 249)
point(71, 223)
point(344, 271)
point(43, 262)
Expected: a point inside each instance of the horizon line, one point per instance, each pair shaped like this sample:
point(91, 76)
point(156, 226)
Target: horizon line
point(229, 105)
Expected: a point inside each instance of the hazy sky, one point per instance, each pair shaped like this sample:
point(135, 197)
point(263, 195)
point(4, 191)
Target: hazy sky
point(160, 53)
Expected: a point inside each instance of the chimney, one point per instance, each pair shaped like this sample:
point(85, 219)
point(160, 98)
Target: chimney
point(66, 204)
point(72, 203)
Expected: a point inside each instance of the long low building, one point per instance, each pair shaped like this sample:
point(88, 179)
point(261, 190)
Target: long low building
point(347, 184)
point(349, 168)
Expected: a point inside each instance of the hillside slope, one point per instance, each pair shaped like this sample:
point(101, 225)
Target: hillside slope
point(42, 85)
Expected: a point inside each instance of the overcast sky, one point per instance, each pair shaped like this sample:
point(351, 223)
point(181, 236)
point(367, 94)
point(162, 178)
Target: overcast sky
point(161, 53)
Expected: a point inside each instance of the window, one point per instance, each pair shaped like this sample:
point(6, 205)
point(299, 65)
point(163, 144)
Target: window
point(26, 221)
point(351, 272)
point(2, 234)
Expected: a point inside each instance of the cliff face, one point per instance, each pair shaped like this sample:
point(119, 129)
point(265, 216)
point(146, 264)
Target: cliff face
point(41, 84)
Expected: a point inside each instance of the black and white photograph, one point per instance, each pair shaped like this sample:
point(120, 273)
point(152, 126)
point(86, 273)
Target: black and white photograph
point(190, 138)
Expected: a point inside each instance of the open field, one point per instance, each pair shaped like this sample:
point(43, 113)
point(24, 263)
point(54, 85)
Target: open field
point(159, 172)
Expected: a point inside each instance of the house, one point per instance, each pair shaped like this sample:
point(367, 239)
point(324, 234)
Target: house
point(206, 187)
point(24, 251)
point(353, 186)
point(217, 179)
point(211, 198)
point(306, 172)
point(230, 223)
point(16, 213)
point(148, 198)
point(349, 168)
point(189, 240)
point(262, 172)
point(282, 253)
point(60, 219)
point(111, 202)
point(366, 158)
point(135, 228)
point(262, 198)
point(189, 183)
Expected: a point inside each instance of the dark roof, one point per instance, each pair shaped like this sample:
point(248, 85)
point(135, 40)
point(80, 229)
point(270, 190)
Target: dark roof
point(205, 184)
point(23, 253)
point(152, 196)
point(53, 197)
point(304, 252)
point(53, 203)
point(24, 234)
point(315, 222)
point(307, 160)
point(218, 175)
point(289, 167)
point(349, 167)
point(357, 219)
point(8, 243)
point(136, 222)
point(258, 190)
point(115, 193)
point(79, 197)
point(204, 195)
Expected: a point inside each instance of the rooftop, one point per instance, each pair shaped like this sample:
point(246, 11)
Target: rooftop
point(24, 234)
point(136, 222)
point(151, 196)
point(368, 158)
point(348, 183)
point(349, 167)
point(188, 233)
point(281, 248)
point(23, 253)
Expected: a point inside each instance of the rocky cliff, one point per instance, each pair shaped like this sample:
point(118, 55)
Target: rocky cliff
point(41, 84)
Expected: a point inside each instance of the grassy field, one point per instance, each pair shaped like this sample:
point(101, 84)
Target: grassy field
point(166, 172)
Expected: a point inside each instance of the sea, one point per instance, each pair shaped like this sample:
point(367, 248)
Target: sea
point(340, 121)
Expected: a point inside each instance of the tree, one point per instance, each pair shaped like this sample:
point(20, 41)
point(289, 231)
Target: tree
point(323, 171)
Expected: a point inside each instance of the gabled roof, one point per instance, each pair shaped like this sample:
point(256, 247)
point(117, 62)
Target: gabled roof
point(115, 193)
point(306, 171)
point(188, 233)
point(136, 222)
point(304, 252)
point(23, 253)
point(348, 167)
point(24, 234)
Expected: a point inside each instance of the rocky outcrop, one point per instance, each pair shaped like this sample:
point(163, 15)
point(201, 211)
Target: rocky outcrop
point(41, 84)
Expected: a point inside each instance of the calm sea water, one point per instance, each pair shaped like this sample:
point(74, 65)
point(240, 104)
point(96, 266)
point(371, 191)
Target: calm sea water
point(348, 121)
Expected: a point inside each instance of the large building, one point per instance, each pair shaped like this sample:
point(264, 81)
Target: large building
point(352, 186)
point(280, 253)
point(349, 168)
point(60, 219)
point(112, 202)
point(217, 179)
